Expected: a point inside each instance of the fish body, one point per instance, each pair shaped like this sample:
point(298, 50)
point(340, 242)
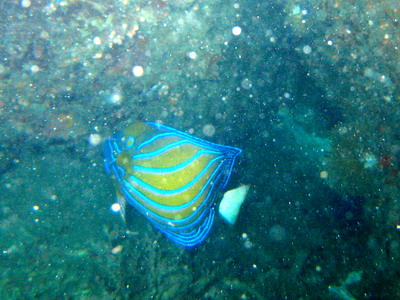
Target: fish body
point(170, 177)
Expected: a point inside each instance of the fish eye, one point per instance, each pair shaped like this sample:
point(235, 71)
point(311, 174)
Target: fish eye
point(130, 141)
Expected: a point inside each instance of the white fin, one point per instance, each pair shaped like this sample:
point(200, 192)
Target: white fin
point(231, 202)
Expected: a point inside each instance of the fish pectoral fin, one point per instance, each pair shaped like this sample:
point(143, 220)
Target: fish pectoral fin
point(231, 202)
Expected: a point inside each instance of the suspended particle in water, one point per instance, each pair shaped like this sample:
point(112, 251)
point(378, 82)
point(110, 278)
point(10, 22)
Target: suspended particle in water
point(94, 139)
point(208, 130)
point(343, 130)
point(116, 249)
point(164, 113)
point(247, 244)
point(323, 174)
point(192, 55)
point(35, 69)
point(26, 3)
point(137, 71)
point(246, 84)
point(307, 49)
point(277, 233)
point(115, 98)
point(265, 134)
point(97, 41)
point(116, 207)
point(236, 30)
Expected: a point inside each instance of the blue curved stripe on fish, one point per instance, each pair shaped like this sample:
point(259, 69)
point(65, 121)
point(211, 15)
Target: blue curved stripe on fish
point(175, 168)
point(142, 198)
point(136, 201)
point(177, 222)
point(175, 191)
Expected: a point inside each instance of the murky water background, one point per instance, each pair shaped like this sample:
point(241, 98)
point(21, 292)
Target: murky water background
point(308, 89)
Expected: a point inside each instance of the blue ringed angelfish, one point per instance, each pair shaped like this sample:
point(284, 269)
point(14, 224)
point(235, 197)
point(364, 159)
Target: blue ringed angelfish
point(170, 177)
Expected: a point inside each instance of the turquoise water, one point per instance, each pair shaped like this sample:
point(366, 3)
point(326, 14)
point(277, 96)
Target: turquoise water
point(309, 90)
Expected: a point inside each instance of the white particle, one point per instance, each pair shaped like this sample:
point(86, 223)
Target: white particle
point(116, 99)
point(116, 207)
point(94, 139)
point(137, 71)
point(116, 249)
point(192, 55)
point(236, 30)
point(307, 49)
point(97, 40)
point(35, 69)
point(330, 43)
point(26, 3)
point(35, 207)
